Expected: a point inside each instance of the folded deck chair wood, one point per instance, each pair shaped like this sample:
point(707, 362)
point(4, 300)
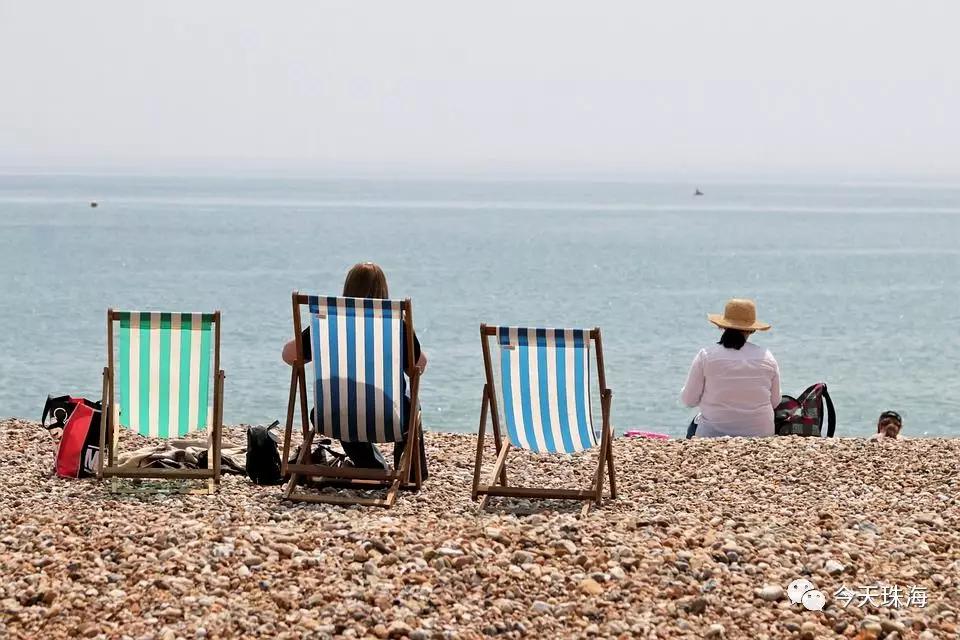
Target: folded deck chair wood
point(360, 349)
point(545, 385)
point(163, 380)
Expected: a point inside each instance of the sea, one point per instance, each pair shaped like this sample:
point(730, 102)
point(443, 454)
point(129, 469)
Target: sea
point(860, 280)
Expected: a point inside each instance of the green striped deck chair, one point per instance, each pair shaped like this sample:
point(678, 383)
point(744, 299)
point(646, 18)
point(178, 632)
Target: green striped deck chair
point(361, 349)
point(545, 387)
point(162, 380)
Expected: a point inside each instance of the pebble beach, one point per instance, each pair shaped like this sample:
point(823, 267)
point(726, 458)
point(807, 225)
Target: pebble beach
point(702, 542)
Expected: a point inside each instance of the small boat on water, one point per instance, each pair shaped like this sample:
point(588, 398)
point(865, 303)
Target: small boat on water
point(697, 192)
point(94, 204)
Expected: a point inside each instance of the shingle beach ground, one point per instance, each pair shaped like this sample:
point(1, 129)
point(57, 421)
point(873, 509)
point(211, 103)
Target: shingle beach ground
point(702, 542)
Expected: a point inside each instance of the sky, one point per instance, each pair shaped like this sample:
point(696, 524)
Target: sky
point(440, 86)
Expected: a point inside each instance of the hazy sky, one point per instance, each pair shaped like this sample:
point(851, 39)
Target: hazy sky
point(519, 86)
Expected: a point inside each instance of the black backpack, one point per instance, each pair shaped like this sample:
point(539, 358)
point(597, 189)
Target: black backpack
point(803, 416)
point(263, 454)
point(263, 457)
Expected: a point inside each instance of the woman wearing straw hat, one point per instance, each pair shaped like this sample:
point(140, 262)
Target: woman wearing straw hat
point(735, 383)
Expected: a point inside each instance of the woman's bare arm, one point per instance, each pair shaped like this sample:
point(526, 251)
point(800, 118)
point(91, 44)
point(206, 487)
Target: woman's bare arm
point(290, 352)
point(422, 362)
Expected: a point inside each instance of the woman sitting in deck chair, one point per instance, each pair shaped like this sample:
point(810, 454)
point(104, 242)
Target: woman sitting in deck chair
point(366, 280)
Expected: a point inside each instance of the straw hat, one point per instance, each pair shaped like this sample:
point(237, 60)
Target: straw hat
point(738, 314)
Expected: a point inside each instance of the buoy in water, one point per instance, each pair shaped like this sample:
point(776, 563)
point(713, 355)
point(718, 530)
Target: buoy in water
point(93, 204)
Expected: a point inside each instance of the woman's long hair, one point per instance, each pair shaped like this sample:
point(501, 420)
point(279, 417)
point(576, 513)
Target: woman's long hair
point(366, 280)
point(733, 339)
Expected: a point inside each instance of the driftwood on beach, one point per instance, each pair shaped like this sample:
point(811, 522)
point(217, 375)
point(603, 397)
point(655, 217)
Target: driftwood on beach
point(703, 542)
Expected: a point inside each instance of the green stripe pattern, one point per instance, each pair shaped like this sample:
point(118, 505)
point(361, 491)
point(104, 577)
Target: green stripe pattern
point(163, 372)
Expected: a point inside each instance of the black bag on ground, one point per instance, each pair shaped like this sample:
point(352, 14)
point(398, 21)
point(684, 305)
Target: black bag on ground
point(263, 454)
point(803, 416)
point(263, 457)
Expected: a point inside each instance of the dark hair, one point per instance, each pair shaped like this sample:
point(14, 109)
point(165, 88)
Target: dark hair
point(891, 414)
point(733, 339)
point(366, 280)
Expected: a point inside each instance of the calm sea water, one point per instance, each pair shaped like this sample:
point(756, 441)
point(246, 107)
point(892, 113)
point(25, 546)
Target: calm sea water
point(861, 282)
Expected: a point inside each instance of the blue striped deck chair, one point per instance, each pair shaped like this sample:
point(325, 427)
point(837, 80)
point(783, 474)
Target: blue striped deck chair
point(360, 349)
point(162, 380)
point(544, 382)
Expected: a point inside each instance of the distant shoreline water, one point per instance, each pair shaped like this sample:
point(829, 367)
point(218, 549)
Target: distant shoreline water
point(861, 286)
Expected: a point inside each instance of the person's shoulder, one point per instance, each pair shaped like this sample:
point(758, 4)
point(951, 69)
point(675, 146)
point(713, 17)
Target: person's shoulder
point(758, 351)
point(709, 351)
point(766, 355)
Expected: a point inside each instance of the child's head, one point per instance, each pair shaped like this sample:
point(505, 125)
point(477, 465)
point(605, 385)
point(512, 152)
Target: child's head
point(889, 424)
point(365, 280)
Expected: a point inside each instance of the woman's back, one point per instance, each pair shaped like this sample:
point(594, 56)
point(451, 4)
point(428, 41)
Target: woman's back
point(735, 383)
point(738, 396)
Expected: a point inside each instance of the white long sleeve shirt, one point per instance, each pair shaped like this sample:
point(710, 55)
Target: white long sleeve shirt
point(736, 391)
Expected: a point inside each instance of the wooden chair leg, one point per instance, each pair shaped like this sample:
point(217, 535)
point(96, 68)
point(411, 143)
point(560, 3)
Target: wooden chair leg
point(218, 430)
point(417, 467)
point(481, 432)
point(113, 436)
point(611, 470)
point(601, 471)
point(288, 427)
point(304, 458)
point(498, 470)
point(104, 421)
point(392, 492)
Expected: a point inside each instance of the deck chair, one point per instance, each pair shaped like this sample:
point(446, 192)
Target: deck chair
point(545, 385)
point(360, 349)
point(163, 381)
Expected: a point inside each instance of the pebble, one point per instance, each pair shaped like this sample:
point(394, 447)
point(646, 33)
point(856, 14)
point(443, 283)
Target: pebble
point(591, 587)
point(870, 627)
point(697, 606)
point(565, 547)
point(833, 567)
point(284, 548)
point(666, 559)
point(522, 557)
point(398, 629)
point(504, 605)
point(540, 607)
point(771, 592)
point(892, 626)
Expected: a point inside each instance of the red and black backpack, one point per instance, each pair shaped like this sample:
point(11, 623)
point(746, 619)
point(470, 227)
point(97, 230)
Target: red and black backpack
point(803, 416)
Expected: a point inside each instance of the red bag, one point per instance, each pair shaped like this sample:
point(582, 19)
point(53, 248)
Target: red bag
point(79, 449)
point(803, 416)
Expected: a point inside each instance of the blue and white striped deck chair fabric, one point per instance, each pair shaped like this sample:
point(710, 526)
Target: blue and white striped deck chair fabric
point(359, 352)
point(545, 384)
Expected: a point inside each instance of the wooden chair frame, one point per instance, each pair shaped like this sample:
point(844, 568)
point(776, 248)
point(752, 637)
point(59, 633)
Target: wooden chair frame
point(109, 433)
point(497, 486)
point(349, 477)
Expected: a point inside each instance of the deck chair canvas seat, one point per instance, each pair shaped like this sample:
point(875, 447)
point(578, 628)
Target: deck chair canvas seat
point(360, 350)
point(162, 380)
point(545, 390)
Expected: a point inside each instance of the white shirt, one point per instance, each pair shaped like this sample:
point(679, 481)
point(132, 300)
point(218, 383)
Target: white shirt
point(736, 391)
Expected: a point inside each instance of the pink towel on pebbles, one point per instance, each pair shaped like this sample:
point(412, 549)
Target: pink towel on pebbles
point(634, 433)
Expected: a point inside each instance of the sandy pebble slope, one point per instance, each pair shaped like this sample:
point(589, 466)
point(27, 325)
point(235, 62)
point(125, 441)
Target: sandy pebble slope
point(701, 542)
